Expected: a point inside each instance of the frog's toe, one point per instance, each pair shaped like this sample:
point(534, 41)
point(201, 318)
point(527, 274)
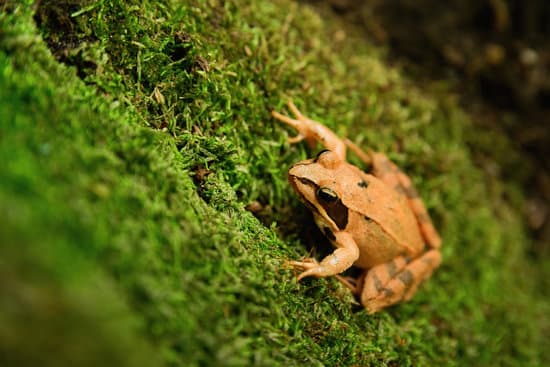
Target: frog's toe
point(305, 264)
point(309, 267)
point(296, 139)
point(315, 271)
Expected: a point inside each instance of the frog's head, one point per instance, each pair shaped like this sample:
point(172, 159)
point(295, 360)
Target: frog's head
point(316, 182)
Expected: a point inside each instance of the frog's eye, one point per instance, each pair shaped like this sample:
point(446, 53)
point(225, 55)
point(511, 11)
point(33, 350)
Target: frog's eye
point(327, 195)
point(333, 206)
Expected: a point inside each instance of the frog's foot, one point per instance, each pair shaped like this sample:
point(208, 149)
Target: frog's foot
point(300, 123)
point(397, 280)
point(306, 265)
point(311, 131)
point(349, 282)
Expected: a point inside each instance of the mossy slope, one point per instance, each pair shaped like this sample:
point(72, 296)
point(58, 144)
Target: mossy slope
point(122, 195)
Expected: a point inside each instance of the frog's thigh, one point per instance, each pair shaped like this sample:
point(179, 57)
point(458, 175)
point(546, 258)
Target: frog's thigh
point(390, 174)
point(397, 280)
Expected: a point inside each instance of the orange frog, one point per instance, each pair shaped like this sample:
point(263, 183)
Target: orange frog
point(375, 221)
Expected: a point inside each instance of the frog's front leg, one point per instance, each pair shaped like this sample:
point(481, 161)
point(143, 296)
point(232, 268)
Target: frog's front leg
point(312, 132)
point(396, 280)
point(341, 259)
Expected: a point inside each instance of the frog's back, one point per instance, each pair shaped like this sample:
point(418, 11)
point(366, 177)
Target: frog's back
point(387, 215)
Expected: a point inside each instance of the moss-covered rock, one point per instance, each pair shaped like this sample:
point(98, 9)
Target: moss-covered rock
point(130, 147)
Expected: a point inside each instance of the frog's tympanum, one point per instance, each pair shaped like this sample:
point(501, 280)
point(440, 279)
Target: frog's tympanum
point(376, 221)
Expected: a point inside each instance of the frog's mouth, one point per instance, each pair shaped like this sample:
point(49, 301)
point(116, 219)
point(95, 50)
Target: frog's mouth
point(304, 188)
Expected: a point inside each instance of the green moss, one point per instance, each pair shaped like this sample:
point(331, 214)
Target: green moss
point(128, 155)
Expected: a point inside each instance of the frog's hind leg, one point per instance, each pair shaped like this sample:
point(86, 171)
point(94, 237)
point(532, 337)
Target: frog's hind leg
point(388, 172)
point(396, 280)
point(365, 157)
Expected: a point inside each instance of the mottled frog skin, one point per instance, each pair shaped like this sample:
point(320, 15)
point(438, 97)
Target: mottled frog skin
point(376, 221)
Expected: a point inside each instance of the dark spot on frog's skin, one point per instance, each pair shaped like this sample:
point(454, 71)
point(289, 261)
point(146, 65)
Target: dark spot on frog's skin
point(363, 184)
point(329, 234)
point(392, 268)
point(377, 282)
point(388, 292)
point(367, 218)
point(406, 277)
point(338, 213)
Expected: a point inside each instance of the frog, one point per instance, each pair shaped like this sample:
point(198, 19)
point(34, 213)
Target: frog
point(375, 220)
